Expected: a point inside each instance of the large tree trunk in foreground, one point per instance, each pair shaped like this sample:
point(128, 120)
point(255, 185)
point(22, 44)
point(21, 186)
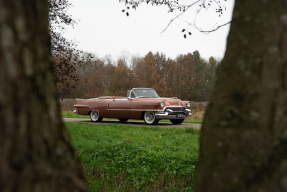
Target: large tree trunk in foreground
point(244, 136)
point(36, 154)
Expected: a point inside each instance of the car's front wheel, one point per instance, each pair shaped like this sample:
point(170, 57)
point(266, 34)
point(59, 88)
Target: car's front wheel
point(123, 120)
point(176, 121)
point(149, 118)
point(95, 116)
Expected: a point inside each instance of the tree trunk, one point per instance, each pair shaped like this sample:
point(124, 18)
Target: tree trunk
point(35, 148)
point(243, 145)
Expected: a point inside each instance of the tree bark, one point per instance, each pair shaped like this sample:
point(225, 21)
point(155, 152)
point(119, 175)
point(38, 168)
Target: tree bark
point(35, 148)
point(244, 136)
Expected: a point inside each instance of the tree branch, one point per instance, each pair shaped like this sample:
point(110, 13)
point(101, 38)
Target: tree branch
point(194, 25)
point(209, 31)
point(180, 15)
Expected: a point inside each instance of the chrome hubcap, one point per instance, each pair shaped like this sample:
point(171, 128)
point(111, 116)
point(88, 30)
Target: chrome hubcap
point(149, 116)
point(94, 115)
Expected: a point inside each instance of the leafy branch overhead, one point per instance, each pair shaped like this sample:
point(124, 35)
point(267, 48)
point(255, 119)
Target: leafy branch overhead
point(174, 5)
point(59, 19)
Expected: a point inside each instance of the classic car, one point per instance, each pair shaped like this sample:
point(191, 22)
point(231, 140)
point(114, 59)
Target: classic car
point(140, 103)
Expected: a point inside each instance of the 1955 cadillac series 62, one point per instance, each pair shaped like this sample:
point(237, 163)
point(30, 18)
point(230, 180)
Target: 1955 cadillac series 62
point(140, 103)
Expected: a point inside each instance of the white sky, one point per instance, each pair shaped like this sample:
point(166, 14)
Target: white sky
point(103, 29)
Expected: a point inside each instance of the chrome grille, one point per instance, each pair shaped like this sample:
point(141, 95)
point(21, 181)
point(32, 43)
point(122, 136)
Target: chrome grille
point(176, 110)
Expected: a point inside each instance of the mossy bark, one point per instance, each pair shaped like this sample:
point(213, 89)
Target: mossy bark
point(35, 148)
point(243, 144)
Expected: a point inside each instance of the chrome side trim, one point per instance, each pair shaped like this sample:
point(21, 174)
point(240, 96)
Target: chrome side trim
point(81, 106)
point(120, 100)
point(143, 109)
point(135, 110)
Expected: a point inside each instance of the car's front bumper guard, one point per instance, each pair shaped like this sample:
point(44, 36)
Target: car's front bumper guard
point(168, 114)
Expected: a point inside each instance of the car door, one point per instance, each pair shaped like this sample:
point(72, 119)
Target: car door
point(119, 108)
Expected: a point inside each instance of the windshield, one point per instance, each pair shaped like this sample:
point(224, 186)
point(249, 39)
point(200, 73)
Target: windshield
point(144, 93)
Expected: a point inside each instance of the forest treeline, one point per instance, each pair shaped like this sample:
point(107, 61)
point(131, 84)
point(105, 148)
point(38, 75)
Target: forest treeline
point(188, 77)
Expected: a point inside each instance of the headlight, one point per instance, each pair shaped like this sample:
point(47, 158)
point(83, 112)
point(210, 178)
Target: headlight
point(188, 105)
point(161, 104)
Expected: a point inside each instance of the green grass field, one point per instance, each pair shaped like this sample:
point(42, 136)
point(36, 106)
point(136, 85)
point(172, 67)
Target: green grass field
point(127, 158)
point(71, 114)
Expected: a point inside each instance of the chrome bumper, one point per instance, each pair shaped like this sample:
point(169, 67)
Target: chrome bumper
point(168, 115)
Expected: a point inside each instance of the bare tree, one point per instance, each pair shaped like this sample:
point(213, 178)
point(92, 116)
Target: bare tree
point(108, 60)
point(135, 58)
point(125, 57)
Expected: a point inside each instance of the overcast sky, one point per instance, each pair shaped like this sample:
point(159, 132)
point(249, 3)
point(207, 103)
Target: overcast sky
point(104, 29)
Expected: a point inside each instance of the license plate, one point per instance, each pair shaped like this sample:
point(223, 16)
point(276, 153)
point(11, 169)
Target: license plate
point(180, 115)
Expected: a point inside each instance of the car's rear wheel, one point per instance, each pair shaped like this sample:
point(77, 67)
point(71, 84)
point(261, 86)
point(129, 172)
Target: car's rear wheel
point(95, 116)
point(176, 121)
point(149, 118)
point(123, 120)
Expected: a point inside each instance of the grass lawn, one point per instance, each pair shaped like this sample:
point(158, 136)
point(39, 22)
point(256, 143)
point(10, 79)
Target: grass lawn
point(71, 114)
point(127, 158)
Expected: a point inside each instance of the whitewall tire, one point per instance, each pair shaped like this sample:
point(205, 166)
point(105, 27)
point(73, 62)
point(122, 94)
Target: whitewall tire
point(149, 118)
point(95, 116)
